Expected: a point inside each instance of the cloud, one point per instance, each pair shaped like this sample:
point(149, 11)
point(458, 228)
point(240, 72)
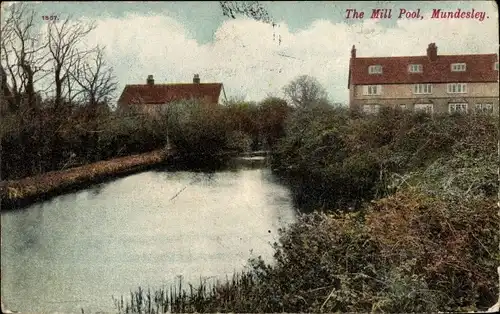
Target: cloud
point(248, 58)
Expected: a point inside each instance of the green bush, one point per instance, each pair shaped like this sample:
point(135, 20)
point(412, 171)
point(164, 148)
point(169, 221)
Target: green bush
point(197, 129)
point(77, 135)
point(338, 159)
point(54, 141)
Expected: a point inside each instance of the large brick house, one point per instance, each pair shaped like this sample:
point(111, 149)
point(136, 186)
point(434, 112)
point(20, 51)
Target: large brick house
point(152, 98)
point(432, 83)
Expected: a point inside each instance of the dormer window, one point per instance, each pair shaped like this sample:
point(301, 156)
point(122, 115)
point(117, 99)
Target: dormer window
point(415, 68)
point(375, 69)
point(458, 67)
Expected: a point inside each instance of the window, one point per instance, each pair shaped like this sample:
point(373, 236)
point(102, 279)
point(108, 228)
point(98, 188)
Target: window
point(371, 109)
point(375, 69)
point(427, 108)
point(415, 68)
point(372, 89)
point(457, 88)
point(458, 67)
point(422, 89)
point(484, 108)
point(496, 66)
point(458, 108)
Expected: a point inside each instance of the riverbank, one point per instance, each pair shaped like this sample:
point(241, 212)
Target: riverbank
point(22, 192)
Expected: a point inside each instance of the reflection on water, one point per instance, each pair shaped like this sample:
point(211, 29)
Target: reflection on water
point(78, 250)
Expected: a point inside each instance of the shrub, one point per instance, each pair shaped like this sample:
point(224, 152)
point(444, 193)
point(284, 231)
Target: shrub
point(336, 159)
point(197, 129)
point(451, 245)
point(54, 141)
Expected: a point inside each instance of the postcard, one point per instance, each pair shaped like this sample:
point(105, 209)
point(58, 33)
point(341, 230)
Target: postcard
point(249, 156)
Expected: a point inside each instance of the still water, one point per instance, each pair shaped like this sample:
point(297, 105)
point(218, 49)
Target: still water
point(77, 251)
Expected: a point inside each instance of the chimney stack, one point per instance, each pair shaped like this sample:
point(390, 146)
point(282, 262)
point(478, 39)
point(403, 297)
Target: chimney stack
point(432, 52)
point(150, 80)
point(196, 79)
point(353, 52)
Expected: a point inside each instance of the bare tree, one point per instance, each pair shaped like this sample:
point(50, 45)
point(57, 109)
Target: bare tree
point(94, 78)
point(252, 9)
point(305, 91)
point(7, 65)
point(63, 40)
point(23, 51)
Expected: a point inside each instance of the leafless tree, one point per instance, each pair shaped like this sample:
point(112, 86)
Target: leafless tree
point(252, 9)
point(63, 40)
point(305, 91)
point(94, 78)
point(23, 52)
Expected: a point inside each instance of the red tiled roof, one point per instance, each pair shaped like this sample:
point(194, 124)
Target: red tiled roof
point(164, 93)
point(479, 68)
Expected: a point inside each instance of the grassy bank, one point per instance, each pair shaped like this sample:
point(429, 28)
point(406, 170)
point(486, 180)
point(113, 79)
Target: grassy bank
point(16, 193)
point(20, 193)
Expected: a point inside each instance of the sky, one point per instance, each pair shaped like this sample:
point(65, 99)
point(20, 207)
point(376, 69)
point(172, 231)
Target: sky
point(174, 40)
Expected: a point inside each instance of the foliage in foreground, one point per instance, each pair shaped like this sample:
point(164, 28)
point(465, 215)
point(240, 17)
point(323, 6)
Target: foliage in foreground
point(409, 252)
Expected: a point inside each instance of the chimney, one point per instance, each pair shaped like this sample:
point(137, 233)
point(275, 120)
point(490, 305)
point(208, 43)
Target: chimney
point(432, 52)
point(353, 52)
point(196, 79)
point(150, 80)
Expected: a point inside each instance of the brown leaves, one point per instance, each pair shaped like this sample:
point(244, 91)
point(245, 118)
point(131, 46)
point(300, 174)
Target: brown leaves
point(445, 238)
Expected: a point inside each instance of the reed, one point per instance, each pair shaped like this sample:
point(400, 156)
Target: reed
point(219, 296)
